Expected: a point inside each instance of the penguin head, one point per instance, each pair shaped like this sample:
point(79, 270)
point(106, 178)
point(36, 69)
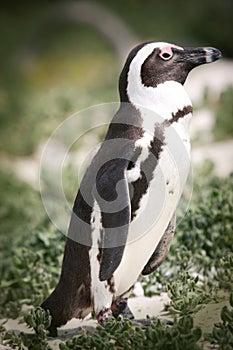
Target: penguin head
point(151, 64)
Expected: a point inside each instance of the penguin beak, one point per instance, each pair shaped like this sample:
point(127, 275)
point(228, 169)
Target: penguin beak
point(211, 54)
point(194, 57)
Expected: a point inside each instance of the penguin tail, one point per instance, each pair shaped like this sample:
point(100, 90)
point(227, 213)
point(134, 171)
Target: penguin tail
point(72, 295)
point(59, 310)
point(63, 305)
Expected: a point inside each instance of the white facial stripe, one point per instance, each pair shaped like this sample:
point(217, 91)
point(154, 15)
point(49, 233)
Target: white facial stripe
point(166, 98)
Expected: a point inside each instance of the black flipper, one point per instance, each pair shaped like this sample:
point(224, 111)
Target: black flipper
point(162, 248)
point(114, 202)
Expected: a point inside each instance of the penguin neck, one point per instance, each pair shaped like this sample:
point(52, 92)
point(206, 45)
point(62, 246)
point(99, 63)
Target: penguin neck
point(166, 100)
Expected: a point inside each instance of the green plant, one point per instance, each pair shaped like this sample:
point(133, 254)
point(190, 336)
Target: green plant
point(123, 335)
point(2, 328)
point(39, 320)
point(222, 333)
point(186, 295)
point(14, 340)
point(20, 209)
point(32, 273)
point(206, 231)
point(208, 227)
point(224, 274)
point(179, 260)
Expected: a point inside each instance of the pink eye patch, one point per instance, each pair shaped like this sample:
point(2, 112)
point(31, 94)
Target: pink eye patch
point(166, 51)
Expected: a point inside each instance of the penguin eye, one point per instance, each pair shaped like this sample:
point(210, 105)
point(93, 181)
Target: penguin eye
point(166, 55)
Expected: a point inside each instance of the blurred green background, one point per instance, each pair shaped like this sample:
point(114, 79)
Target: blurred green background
point(52, 66)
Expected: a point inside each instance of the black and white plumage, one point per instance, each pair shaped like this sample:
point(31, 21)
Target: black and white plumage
point(123, 216)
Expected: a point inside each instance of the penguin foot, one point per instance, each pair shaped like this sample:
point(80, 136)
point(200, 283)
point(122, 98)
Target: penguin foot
point(120, 308)
point(128, 313)
point(104, 316)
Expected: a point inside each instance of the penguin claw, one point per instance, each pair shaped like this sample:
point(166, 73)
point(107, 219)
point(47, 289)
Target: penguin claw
point(104, 316)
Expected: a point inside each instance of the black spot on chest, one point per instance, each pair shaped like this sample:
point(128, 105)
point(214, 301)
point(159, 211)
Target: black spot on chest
point(180, 114)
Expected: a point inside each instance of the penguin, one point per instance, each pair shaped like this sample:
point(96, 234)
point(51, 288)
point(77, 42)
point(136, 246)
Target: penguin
point(124, 214)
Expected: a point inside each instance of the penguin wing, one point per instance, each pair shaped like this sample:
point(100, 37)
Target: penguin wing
point(114, 202)
point(162, 248)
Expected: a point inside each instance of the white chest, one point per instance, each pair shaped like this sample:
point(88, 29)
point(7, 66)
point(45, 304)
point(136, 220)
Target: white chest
point(159, 203)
